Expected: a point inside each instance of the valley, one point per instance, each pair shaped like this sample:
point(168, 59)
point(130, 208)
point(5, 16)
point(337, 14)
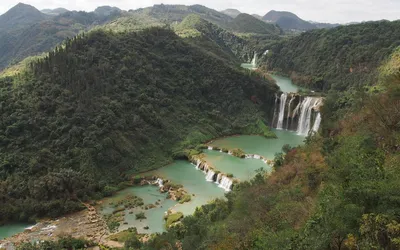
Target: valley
point(182, 127)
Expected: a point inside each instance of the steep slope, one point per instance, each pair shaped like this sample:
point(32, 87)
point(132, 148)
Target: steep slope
point(288, 21)
point(108, 103)
point(211, 38)
point(38, 37)
point(20, 16)
point(245, 23)
point(339, 58)
point(231, 12)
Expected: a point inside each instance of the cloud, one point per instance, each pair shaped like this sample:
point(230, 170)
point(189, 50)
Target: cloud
point(316, 10)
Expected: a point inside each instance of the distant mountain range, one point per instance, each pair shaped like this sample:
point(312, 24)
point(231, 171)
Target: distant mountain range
point(26, 31)
point(231, 12)
point(284, 19)
point(54, 12)
point(290, 21)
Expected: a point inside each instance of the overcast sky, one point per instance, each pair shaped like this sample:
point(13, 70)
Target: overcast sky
point(341, 11)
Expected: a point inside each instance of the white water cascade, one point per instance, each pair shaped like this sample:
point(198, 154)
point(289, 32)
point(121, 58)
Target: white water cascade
point(226, 183)
point(210, 175)
point(254, 61)
point(288, 114)
point(305, 115)
point(159, 182)
point(282, 105)
point(198, 164)
point(219, 176)
point(276, 101)
point(210, 148)
point(317, 122)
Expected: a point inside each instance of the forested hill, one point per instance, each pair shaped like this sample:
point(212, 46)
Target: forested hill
point(213, 39)
point(75, 122)
point(339, 58)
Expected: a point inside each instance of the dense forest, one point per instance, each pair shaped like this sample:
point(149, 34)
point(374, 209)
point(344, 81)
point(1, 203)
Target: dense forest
point(339, 58)
point(339, 191)
point(75, 122)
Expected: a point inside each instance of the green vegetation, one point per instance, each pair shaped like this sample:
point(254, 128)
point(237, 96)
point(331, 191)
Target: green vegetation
point(62, 243)
point(185, 198)
point(125, 235)
point(173, 218)
point(245, 23)
point(341, 58)
point(78, 120)
point(140, 216)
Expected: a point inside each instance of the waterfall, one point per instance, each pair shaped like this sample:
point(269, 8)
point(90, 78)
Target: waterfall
point(254, 61)
point(281, 110)
point(230, 153)
point(210, 148)
point(226, 183)
point(317, 122)
point(266, 52)
point(210, 175)
point(159, 182)
point(256, 157)
point(198, 164)
point(219, 176)
point(307, 107)
point(296, 110)
point(274, 118)
point(288, 114)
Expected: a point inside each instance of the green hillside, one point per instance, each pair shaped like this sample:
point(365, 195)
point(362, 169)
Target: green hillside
point(108, 103)
point(214, 39)
point(245, 23)
point(339, 58)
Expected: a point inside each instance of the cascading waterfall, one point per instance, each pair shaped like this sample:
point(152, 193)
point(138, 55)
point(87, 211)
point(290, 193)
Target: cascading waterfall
point(288, 114)
point(276, 101)
point(159, 182)
point(210, 175)
point(210, 148)
point(317, 122)
point(219, 176)
point(198, 164)
point(226, 183)
point(254, 61)
point(305, 115)
point(281, 111)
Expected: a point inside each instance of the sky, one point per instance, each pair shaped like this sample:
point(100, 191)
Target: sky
point(333, 11)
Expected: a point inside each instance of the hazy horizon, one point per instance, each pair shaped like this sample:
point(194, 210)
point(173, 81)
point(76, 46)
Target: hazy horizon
point(341, 11)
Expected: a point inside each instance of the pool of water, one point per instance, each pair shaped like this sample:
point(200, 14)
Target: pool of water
point(9, 230)
point(253, 144)
point(243, 169)
point(154, 217)
point(286, 84)
point(194, 182)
